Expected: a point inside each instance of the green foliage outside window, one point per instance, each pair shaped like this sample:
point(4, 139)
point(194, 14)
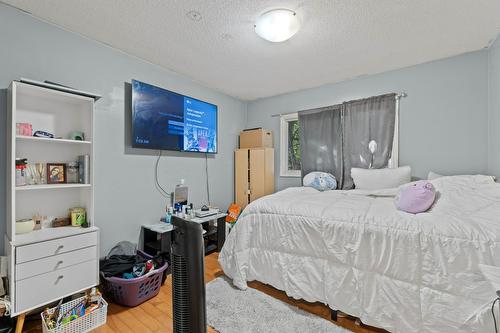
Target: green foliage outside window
point(293, 145)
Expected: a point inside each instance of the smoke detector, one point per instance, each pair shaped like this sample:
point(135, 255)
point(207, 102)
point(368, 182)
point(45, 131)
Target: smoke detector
point(194, 15)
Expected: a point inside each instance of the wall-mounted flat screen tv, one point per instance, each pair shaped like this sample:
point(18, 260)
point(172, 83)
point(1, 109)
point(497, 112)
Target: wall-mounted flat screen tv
point(165, 120)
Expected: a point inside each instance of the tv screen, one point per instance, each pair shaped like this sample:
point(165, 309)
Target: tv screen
point(165, 120)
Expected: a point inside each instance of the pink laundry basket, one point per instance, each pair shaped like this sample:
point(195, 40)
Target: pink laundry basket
point(132, 292)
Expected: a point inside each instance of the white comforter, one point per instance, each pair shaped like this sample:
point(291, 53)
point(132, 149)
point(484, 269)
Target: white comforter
point(352, 250)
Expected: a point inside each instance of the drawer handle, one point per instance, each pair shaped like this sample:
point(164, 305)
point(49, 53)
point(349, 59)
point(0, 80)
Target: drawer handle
point(60, 277)
point(60, 262)
point(60, 247)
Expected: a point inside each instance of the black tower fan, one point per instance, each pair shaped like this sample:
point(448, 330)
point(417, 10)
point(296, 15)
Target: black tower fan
point(188, 286)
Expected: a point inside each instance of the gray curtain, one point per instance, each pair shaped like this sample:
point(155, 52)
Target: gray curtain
point(354, 134)
point(364, 121)
point(321, 140)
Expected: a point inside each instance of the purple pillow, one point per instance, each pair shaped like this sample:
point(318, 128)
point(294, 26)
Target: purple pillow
point(416, 198)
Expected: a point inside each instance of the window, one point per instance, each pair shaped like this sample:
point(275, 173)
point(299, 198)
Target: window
point(290, 146)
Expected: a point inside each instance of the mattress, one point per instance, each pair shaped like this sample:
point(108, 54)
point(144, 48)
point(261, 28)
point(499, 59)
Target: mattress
point(353, 251)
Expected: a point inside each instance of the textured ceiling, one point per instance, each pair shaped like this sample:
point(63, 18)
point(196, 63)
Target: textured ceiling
point(339, 39)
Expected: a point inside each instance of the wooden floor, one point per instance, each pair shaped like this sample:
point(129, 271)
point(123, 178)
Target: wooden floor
point(155, 315)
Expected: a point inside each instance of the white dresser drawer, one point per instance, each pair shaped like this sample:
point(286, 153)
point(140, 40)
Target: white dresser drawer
point(57, 246)
point(42, 289)
point(53, 263)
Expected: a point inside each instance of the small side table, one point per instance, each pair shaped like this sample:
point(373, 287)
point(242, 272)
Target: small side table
point(157, 238)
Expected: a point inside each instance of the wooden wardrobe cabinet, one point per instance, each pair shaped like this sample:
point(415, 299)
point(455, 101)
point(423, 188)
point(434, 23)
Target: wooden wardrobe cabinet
point(254, 174)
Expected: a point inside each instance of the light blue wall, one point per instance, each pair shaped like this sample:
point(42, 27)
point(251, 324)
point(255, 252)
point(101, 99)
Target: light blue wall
point(443, 121)
point(494, 109)
point(125, 195)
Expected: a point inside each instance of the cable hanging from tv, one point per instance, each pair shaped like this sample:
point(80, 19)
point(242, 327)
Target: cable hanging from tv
point(206, 173)
point(160, 189)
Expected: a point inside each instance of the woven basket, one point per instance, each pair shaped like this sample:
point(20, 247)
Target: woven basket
point(83, 324)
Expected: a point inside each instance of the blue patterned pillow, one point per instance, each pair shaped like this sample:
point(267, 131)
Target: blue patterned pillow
point(321, 181)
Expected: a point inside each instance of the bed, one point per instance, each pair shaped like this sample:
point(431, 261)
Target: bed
point(353, 251)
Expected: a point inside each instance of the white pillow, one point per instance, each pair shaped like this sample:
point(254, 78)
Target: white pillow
point(432, 175)
point(374, 179)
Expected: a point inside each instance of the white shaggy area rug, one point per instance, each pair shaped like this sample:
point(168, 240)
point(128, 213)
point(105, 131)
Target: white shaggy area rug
point(230, 310)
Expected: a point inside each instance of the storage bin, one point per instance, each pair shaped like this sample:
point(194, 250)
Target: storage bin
point(83, 324)
point(256, 138)
point(132, 292)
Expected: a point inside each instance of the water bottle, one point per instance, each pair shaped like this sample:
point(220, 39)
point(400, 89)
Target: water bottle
point(168, 217)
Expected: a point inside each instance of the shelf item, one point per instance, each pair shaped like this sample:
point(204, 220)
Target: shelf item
point(84, 169)
point(209, 218)
point(254, 174)
point(210, 248)
point(50, 140)
point(51, 186)
point(211, 231)
point(155, 245)
point(24, 226)
point(51, 263)
point(72, 172)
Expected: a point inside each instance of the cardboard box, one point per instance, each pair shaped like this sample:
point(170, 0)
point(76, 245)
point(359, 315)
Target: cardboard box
point(256, 138)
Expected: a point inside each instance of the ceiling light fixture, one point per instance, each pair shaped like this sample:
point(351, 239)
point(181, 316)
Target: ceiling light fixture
point(277, 25)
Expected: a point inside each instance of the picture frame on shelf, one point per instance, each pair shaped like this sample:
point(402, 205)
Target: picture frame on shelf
point(56, 173)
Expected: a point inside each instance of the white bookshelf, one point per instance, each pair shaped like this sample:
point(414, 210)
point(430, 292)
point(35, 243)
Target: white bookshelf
point(60, 113)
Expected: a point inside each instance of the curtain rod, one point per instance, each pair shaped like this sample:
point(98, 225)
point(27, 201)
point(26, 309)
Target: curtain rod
point(398, 97)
